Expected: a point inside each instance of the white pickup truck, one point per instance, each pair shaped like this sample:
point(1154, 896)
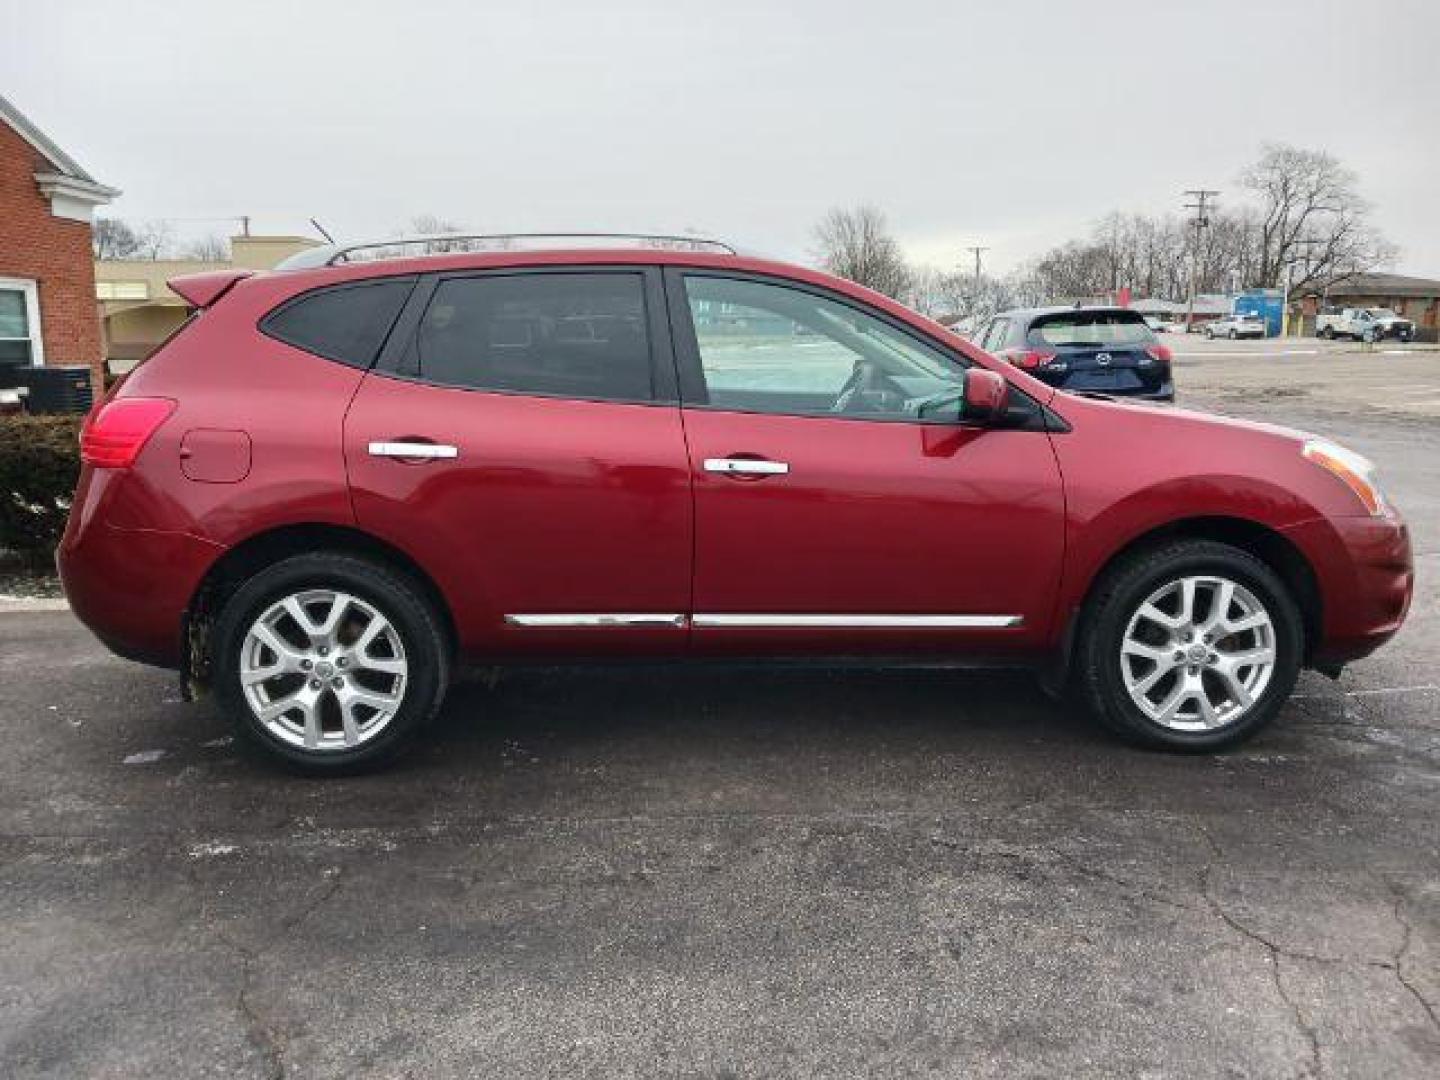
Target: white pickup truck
point(1363, 324)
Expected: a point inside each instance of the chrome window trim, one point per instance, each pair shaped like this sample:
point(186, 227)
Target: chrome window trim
point(597, 619)
point(971, 622)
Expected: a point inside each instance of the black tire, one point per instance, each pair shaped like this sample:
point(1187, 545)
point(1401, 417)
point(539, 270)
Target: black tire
point(1327, 334)
point(395, 596)
point(1122, 589)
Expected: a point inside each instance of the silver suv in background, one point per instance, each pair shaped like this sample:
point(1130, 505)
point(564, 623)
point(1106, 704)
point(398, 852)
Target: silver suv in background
point(1236, 326)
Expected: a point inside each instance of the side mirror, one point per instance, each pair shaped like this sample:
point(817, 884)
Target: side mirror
point(985, 396)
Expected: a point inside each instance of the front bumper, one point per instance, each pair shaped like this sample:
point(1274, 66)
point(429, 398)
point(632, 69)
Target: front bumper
point(1366, 574)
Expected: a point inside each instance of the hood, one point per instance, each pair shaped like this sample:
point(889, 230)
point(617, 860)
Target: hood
point(1183, 423)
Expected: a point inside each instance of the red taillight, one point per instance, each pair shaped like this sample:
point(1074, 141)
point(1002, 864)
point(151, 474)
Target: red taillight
point(114, 436)
point(1029, 359)
point(1159, 352)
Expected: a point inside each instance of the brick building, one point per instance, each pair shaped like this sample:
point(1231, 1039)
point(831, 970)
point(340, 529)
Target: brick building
point(1417, 299)
point(48, 313)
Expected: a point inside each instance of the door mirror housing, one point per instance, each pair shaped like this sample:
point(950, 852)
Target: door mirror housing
point(985, 396)
point(980, 399)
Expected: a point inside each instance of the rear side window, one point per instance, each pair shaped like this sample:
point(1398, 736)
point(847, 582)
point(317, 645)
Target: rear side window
point(574, 335)
point(1081, 328)
point(347, 323)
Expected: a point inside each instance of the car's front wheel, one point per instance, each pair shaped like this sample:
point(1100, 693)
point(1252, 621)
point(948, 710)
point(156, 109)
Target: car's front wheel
point(330, 661)
point(1192, 646)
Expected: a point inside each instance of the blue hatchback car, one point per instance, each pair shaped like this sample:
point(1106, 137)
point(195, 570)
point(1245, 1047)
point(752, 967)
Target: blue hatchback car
point(1103, 350)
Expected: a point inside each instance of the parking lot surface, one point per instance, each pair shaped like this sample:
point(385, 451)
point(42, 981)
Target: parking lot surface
point(728, 872)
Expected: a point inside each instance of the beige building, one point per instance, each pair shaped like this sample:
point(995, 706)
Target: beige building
point(138, 310)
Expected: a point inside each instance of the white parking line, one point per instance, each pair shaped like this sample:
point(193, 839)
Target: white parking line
point(1424, 688)
point(1252, 352)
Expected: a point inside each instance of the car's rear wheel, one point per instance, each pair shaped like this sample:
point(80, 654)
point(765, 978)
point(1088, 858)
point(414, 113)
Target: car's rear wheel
point(330, 661)
point(1192, 646)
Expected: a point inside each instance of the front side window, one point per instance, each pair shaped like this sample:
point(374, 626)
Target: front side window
point(575, 335)
point(776, 349)
point(19, 323)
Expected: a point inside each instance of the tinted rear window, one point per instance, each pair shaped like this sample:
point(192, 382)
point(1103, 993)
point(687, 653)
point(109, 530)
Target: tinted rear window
point(575, 335)
point(1080, 328)
point(347, 323)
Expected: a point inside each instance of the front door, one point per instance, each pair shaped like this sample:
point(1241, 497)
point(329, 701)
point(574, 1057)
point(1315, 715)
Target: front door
point(521, 441)
point(839, 507)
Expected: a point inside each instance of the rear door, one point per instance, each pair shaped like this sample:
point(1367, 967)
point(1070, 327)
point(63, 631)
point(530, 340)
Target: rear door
point(520, 438)
point(832, 515)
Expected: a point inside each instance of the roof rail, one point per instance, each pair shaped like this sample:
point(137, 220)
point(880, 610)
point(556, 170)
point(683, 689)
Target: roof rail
point(454, 243)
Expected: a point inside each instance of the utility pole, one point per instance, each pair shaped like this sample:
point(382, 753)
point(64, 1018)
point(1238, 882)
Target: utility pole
point(1200, 206)
point(244, 224)
point(977, 252)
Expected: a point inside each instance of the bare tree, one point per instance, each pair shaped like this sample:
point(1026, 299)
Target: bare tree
point(210, 248)
point(434, 225)
point(1313, 224)
point(156, 240)
point(111, 238)
point(857, 244)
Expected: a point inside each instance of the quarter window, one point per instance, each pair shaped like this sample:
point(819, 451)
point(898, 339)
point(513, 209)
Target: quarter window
point(776, 349)
point(574, 335)
point(347, 323)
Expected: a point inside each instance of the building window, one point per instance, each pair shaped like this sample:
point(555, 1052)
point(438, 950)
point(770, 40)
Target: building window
point(20, 323)
point(122, 290)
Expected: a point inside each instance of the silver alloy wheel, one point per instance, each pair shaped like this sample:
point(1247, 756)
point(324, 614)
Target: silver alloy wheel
point(323, 670)
point(1198, 653)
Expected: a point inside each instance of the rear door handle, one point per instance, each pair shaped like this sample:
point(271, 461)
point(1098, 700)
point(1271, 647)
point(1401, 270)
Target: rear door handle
point(413, 450)
point(737, 466)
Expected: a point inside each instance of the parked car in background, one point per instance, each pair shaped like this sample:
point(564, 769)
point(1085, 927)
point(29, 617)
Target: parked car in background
point(343, 479)
point(1236, 326)
point(1363, 324)
point(1108, 350)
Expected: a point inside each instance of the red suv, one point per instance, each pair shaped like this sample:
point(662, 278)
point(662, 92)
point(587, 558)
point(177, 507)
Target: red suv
point(344, 478)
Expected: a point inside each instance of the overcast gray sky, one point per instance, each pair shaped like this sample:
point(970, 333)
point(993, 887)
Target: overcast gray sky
point(1013, 124)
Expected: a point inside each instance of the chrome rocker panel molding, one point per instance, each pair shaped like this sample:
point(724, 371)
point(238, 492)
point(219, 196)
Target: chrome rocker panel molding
point(879, 622)
point(599, 619)
point(729, 621)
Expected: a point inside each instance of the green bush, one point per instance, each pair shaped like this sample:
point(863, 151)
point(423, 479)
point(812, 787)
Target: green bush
point(39, 464)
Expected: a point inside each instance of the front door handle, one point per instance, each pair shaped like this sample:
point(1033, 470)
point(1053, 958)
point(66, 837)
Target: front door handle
point(738, 466)
point(413, 450)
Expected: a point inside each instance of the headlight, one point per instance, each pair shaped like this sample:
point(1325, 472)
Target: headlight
point(1355, 471)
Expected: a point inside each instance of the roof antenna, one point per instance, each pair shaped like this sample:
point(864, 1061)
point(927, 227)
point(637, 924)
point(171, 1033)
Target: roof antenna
point(321, 230)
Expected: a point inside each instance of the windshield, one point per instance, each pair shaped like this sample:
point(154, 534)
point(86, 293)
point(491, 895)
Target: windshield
point(1382, 313)
point(1080, 329)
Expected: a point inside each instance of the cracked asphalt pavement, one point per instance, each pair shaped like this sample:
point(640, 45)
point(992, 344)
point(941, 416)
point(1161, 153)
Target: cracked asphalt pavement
point(736, 872)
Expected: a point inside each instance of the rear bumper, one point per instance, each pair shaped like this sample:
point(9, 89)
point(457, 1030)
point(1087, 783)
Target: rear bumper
point(1366, 575)
point(131, 586)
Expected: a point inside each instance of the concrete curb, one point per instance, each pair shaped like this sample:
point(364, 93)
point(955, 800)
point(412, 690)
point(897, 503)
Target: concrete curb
point(11, 605)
